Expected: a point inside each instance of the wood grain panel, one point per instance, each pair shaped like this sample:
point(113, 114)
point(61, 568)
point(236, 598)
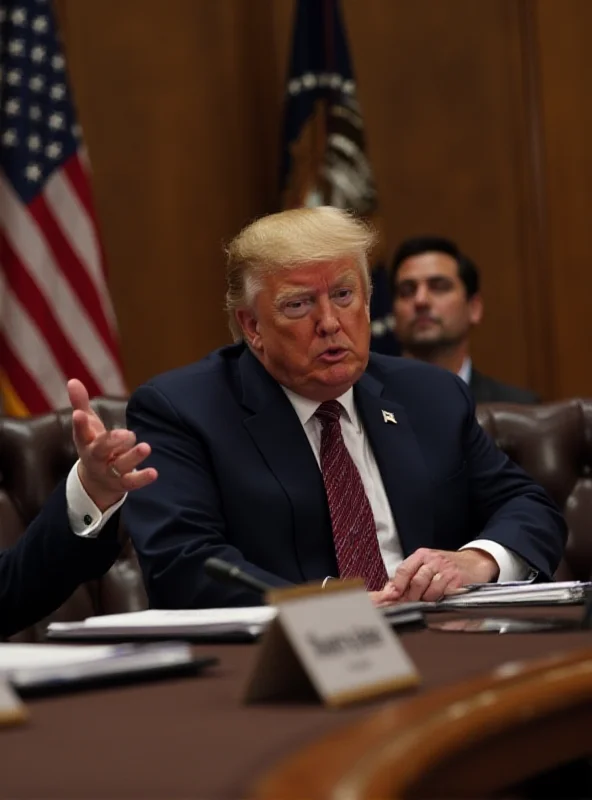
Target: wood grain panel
point(566, 76)
point(181, 113)
point(469, 108)
point(441, 86)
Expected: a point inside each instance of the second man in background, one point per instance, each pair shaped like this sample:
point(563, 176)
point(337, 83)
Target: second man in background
point(437, 303)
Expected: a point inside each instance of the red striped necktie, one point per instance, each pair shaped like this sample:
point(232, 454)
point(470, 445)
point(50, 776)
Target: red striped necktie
point(354, 529)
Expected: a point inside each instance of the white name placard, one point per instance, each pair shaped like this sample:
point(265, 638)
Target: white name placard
point(332, 641)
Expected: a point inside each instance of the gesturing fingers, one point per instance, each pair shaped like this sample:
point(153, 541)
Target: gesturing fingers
point(111, 444)
point(138, 479)
point(82, 429)
point(123, 468)
point(78, 395)
point(129, 460)
point(85, 422)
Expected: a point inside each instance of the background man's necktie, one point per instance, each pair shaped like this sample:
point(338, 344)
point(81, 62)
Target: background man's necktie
point(354, 529)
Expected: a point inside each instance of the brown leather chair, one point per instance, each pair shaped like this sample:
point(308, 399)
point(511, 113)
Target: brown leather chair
point(551, 442)
point(35, 454)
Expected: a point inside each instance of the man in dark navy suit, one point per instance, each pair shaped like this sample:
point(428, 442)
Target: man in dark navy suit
point(74, 537)
point(298, 456)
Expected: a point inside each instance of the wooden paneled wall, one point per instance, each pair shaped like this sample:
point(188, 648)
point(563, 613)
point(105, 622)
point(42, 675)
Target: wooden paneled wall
point(563, 39)
point(478, 121)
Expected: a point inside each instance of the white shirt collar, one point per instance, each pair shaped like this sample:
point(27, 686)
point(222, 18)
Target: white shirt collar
point(306, 408)
point(465, 371)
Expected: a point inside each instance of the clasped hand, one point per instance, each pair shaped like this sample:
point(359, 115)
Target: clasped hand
point(430, 574)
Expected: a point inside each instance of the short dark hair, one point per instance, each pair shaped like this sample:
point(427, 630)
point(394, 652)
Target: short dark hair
point(416, 246)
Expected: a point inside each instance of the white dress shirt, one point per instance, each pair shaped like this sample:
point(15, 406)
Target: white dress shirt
point(465, 371)
point(85, 518)
point(511, 567)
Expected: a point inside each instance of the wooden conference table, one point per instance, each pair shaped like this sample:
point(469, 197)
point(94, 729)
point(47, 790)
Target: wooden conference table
point(470, 728)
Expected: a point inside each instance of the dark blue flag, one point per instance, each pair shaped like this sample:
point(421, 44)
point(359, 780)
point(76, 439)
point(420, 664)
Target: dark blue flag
point(324, 160)
point(381, 314)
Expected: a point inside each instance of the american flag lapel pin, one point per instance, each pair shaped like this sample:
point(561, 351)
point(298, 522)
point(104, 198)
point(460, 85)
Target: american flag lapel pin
point(389, 417)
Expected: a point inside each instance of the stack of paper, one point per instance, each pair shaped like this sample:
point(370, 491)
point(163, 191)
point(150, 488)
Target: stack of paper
point(30, 667)
point(400, 614)
point(21, 664)
point(500, 594)
point(196, 624)
point(39, 656)
point(189, 623)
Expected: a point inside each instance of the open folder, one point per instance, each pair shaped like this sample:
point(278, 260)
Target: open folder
point(220, 624)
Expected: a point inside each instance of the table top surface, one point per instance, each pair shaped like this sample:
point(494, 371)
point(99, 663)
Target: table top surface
point(194, 737)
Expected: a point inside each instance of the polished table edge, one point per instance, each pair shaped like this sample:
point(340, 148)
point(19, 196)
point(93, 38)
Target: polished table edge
point(388, 753)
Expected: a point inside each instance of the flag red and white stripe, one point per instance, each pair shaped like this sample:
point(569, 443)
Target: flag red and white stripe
point(56, 317)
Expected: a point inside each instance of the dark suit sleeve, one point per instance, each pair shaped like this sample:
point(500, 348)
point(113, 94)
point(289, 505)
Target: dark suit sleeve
point(487, 390)
point(47, 564)
point(178, 523)
point(507, 506)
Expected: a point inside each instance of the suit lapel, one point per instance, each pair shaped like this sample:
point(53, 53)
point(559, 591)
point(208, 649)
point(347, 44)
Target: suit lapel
point(280, 438)
point(278, 435)
point(400, 462)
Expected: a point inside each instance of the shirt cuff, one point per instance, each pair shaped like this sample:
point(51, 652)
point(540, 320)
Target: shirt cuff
point(511, 566)
point(84, 517)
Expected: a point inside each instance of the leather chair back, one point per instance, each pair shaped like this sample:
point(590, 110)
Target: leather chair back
point(553, 443)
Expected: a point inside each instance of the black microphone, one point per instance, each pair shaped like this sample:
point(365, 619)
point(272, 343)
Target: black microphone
point(228, 573)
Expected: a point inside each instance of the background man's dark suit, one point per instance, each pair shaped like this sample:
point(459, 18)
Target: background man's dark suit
point(488, 390)
point(47, 564)
point(239, 480)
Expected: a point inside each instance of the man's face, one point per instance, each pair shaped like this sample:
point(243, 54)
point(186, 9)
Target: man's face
point(310, 327)
point(431, 307)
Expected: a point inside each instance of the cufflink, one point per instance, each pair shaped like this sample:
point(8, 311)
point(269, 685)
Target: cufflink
point(87, 519)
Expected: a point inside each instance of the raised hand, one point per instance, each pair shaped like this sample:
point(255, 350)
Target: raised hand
point(108, 459)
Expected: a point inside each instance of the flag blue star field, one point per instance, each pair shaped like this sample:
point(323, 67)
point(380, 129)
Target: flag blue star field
point(56, 317)
point(324, 159)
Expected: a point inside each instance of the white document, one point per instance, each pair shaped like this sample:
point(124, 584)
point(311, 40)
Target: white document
point(32, 666)
point(527, 593)
point(201, 621)
point(31, 656)
point(201, 617)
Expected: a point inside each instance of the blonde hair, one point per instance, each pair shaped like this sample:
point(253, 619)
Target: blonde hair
point(290, 239)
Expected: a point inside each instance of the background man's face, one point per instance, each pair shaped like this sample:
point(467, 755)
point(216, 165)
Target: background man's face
point(431, 307)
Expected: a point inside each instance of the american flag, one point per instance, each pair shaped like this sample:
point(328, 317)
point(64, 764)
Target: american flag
point(56, 317)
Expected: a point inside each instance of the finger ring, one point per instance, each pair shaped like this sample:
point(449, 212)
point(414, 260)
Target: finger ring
point(114, 471)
